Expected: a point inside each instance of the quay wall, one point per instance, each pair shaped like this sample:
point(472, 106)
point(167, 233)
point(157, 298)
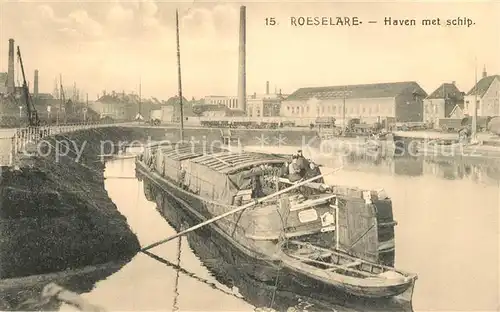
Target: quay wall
point(55, 213)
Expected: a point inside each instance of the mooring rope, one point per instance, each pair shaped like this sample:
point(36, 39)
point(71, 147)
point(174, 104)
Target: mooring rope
point(189, 274)
point(176, 283)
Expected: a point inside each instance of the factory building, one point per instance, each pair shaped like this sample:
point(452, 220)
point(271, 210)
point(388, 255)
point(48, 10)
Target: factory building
point(386, 103)
point(230, 102)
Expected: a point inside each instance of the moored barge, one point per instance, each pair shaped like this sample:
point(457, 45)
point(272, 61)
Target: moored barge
point(348, 222)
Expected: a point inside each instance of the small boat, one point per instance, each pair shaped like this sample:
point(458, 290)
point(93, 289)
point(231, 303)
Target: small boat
point(346, 273)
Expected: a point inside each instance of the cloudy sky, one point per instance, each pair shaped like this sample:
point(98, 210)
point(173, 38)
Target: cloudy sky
point(111, 45)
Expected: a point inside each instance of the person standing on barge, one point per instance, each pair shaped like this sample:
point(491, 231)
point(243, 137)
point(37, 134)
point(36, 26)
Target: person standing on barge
point(302, 163)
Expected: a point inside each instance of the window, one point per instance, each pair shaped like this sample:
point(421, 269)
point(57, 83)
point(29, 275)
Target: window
point(293, 110)
point(307, 109)
point(298, 110)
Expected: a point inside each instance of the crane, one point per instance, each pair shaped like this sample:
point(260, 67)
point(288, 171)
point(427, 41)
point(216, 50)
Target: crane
point(33, 120)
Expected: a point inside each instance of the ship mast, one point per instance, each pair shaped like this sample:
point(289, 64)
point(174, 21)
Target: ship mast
point(179, 73)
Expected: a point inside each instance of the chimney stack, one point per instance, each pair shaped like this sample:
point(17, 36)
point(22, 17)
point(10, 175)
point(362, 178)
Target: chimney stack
point(35, 82)
point(10, 73)
point(484, 72)
point(242, 62)
point(267, 87)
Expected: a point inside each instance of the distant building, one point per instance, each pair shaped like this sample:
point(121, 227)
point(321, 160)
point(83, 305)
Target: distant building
point(265, 105)
point(230, 102)
point(119, 106)
point(440, 103)
point(379, 102)
point(486, 93)
point(171, 110)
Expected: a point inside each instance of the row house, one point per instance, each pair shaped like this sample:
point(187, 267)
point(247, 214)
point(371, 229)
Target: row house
point(442, 103)
point(379, 102)
point(486, 96)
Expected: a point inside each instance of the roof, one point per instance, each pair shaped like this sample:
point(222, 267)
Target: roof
point(185, 151)
point(483, 85)
point(456, 109)
point(175, 100)
point(227, 162)
point(448, 90)
point(375, 90)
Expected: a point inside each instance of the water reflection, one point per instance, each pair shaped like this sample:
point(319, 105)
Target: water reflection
point(485, 171)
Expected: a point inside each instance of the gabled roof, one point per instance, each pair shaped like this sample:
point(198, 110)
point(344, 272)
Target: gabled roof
point(456, 109)
point(375, 90)
point(175, 101)
point(483, 85)
point(448, 90)
point(227, 162)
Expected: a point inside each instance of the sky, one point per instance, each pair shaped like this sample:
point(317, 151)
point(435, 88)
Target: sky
point(115, 45)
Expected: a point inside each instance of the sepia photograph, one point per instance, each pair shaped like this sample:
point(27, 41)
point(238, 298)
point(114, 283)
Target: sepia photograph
point(263, 156)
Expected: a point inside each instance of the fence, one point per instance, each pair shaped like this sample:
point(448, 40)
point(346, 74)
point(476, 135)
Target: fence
point(15, 141)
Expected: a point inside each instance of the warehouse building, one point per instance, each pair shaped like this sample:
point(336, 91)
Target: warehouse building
point(380, 102)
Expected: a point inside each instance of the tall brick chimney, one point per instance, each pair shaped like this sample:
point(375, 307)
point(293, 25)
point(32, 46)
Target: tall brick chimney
point(10, 73)
point(242, 97)
point(35, 84)
point(267, 87)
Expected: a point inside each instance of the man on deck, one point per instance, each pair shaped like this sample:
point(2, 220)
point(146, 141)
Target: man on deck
point(302, 163)
point(294, 170)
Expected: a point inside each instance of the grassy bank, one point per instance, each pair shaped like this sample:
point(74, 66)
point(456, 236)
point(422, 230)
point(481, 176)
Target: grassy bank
point(56, 215)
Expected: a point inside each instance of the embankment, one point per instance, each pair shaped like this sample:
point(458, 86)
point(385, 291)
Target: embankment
point(55, 213)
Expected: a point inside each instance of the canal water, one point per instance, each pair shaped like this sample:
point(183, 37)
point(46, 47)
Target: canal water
point(447, 233)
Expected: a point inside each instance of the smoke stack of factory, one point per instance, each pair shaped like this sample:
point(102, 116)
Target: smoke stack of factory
point(267, 87)
point(242, 62)
point(35, 84)
point(10, 73)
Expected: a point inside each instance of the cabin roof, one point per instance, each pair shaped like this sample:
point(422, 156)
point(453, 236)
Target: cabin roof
point(186, 151)
point(227, 162)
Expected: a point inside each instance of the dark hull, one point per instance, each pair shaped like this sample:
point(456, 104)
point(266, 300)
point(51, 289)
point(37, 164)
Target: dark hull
point(256, 265)
point(261, 266)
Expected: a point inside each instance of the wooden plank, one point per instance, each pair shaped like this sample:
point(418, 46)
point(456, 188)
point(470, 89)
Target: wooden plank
point(347, 265)
point(338, 267)
point(311, 203)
